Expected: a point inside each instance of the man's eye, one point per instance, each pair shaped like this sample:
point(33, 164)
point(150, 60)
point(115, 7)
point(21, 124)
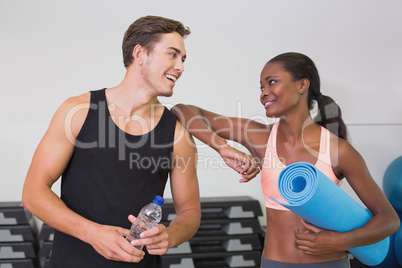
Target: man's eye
point(173, 55)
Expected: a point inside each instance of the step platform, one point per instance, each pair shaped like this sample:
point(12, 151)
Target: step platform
point(248, 259)
point(13, 213)
point(17, 250)
point(217, 227)
point(233, 243)
point(220, 208)
point(17, 264)
point(16, 233)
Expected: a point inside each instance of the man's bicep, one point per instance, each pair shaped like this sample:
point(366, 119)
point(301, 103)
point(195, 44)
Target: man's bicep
point(56, 147)
point(52, 154)
point(184, 181)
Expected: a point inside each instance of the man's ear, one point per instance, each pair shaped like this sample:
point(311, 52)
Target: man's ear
point(139, 53)
point(304, 85)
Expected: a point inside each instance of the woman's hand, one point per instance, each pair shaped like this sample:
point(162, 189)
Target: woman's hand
point(242, 163)
point(315, 240)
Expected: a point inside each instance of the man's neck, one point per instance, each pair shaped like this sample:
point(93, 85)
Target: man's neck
point(132, 96)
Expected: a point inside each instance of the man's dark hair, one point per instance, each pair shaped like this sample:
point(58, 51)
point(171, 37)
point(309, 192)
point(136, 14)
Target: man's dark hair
point(146, 31)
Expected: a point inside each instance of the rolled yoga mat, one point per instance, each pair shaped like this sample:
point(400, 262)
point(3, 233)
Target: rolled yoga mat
point(318, 200)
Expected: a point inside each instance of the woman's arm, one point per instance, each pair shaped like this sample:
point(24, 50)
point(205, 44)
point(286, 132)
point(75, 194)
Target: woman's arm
point(209, 127)
point(384, 222)
point(214, 129)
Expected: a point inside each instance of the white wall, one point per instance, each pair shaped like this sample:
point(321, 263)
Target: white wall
point(50, 50)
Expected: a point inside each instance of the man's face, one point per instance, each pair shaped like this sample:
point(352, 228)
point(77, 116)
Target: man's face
point(163, 66)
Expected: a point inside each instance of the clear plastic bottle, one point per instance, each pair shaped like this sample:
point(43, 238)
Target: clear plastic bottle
point(149, 216)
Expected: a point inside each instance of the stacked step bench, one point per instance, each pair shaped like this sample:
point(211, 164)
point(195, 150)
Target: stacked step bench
point(18, 237)
point(45, 238)
point(230, 235)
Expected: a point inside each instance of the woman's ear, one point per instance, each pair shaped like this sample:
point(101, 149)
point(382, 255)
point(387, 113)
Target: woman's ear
point(304, 85)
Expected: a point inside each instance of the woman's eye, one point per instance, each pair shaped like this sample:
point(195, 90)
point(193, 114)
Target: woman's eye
point(262, 89)
point(271, 82)
point(173, 55)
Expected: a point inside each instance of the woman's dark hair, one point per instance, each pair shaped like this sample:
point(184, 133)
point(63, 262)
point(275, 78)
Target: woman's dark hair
point(146, 31)
point(300, 66)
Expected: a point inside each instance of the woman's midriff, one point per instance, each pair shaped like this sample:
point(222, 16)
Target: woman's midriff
point(280, 241)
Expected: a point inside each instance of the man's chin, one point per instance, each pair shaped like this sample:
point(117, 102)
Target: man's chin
point(166, 94)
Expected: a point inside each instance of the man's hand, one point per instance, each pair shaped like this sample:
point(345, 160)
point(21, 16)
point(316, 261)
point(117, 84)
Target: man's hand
point(155, 239)
point(110, 242)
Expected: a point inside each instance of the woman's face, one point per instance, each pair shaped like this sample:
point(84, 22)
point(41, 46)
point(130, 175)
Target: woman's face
point(280, 93)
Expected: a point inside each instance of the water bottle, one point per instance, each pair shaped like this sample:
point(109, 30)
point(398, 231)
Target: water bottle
point(149, 216)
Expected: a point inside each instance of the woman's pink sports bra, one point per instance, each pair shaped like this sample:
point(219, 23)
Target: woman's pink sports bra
point(272, 166)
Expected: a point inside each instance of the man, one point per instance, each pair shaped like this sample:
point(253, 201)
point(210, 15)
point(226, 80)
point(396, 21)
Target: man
point(114, 149)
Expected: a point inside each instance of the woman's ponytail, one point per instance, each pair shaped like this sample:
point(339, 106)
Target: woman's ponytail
point(330, 116)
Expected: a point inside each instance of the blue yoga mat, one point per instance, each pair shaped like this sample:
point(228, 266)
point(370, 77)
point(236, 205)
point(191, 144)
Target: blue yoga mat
point(318, 200)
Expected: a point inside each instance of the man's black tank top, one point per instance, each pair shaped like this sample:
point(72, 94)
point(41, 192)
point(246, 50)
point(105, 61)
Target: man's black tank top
point(112, 174)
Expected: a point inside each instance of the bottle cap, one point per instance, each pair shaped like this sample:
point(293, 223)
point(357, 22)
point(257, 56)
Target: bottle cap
point(159, 200)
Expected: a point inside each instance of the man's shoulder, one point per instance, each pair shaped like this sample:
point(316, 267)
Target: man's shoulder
point(73, 111)
point(183, 139)
point(78, 100)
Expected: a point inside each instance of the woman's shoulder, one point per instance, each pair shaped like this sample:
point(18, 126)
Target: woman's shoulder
point(340, 145)
point(343, 154)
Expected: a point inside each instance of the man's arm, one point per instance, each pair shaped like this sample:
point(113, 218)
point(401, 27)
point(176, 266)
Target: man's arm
point(185, 190)
point(49, 161)
point(185, 193)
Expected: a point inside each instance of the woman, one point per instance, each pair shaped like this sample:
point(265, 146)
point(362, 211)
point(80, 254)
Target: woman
point(289, 86)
